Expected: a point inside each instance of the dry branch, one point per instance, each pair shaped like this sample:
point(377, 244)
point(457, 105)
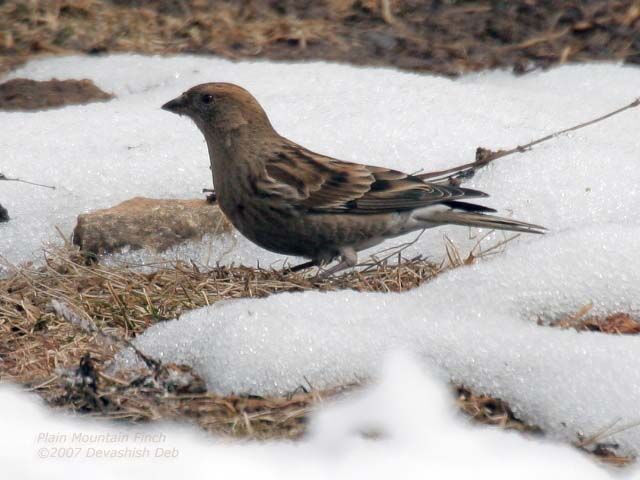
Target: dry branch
point(485, 156)
point(10, 179)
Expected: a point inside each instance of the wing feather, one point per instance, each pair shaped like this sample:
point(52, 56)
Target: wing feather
point(317, 183)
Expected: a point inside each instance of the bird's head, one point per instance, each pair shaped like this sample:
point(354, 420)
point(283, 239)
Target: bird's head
point(220, 107)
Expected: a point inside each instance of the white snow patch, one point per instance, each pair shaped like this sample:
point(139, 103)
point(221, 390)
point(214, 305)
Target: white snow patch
point(419, 438)
point(477, 323)
point(100, 154)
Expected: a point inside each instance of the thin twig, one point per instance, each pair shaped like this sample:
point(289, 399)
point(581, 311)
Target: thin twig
point(9, 179)
point(387, 14)
point(396, 250)
point(484, 157)
point(606, 432)
point(502, 243)
point(547, 37)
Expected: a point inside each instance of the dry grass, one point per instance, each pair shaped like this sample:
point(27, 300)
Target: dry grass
point(44, 351)
point(617, 323)
point(448, 38)
point(151, 397)
point(491, 411)
point(124, 301)
point(51, 356)
point(92, 26)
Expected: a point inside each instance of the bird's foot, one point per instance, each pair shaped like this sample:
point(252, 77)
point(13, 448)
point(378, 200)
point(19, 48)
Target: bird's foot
point(348, 259)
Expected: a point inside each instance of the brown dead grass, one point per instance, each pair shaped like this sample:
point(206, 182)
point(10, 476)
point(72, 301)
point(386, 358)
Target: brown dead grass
point(45, 352)
point(124, 301)
point(617, 323)
point(448, 38)
point(491, 411)
point(65, 365)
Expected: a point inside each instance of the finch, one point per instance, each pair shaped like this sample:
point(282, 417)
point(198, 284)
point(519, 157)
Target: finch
point(293, 201)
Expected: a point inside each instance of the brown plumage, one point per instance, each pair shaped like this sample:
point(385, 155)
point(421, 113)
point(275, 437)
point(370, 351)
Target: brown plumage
point(290, 200)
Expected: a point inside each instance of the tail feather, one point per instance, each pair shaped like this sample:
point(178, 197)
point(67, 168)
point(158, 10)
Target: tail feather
point(468, 207)
point(481, 220)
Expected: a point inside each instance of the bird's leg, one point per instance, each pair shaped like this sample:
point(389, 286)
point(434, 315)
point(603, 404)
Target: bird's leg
point(348, 259)
point(304, 266)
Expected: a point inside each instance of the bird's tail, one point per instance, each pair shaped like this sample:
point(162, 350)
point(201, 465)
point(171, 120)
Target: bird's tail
point(482, 220)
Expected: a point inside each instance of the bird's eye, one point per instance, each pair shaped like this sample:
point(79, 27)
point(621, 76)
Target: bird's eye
point(206, 99)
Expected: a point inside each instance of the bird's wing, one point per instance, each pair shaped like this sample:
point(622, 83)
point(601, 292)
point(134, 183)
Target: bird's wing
point(322, 184)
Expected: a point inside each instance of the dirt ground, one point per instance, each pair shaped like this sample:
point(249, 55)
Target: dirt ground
point(445, 37)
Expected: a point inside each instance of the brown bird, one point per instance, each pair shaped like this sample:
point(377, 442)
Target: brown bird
point(293, 201)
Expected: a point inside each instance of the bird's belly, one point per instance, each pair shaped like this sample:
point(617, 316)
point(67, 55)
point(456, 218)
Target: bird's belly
point(313, 235)
point(275, 230)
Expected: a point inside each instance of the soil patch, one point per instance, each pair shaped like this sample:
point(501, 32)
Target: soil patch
point(25, 94)
point(445, 37)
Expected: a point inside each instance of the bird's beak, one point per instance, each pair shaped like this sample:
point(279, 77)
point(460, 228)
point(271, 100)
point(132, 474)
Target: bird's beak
point(177, 105)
